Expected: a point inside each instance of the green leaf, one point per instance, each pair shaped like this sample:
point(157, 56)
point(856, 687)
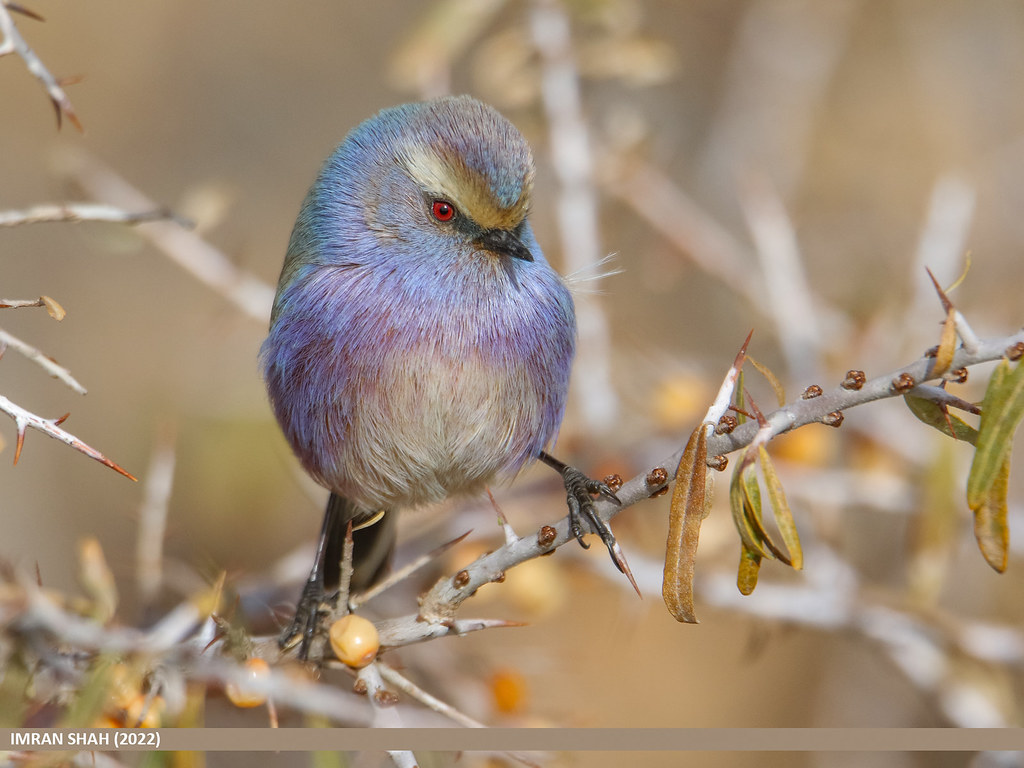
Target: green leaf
point(934, 415)
point(1001, 412)
point(783, 514)
point(738, 400)
point(739, 500)
point(990, 527)
point(750, 565)
point(688, 508)
point(754, 513)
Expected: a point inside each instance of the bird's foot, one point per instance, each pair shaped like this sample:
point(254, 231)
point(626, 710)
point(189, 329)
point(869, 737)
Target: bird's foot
point(313, 607)
point(580, 491)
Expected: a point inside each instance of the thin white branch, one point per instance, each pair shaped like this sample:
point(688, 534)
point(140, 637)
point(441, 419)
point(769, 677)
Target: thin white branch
point(385, 714)
point(24, 419)
point(789, 294)
point(77, 212)
point(13, 42)
point(439, 605)
point(941, 245)
point(402, 683)
point(677, 217)
point(188, 250)
point(149, 547)
point(724, 398)
point(572, 160)
point(46, 362)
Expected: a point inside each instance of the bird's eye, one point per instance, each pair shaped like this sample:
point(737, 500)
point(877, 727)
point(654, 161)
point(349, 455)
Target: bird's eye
point(443, 210)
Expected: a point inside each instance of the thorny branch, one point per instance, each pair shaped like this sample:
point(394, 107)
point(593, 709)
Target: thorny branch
point(436, 615)
point(47, 363)
point(184, 646)
point(13, 42)
point(23, 418)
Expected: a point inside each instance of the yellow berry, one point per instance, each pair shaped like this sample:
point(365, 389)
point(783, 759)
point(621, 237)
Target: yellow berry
point(354, 640)
point(240, 695)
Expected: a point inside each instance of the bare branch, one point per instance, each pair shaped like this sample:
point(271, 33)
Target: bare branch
point(24, 419)
point(783, 276)
point(46, 362)
point(438, 607)
point(13, 42)
point(76, 212)
point(402, 683)
point(187, 249)
point(153, 518)
point(577, 206)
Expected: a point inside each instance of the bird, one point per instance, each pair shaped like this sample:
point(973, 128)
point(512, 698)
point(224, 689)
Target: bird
point(420, 345)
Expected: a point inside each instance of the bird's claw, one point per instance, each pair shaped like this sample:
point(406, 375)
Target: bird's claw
point(313, 606)
point(580, 490)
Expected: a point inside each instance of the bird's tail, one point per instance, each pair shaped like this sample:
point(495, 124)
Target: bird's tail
point(372, 545)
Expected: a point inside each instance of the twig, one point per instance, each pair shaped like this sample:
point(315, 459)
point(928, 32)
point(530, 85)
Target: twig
point(381, 699)
point(677, 217)
point(47, 363)
point(784, 279)
point(402, 683)
point(80, 212)
point(24, 419)
point(188, 250)
point(572, 160)
point(403, 573)
point(941, 244)
point(149, 544)
point(438, 606)
point(13, 42)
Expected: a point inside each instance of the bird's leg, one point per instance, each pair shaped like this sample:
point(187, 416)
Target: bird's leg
point(315, 602)
point(579, 493)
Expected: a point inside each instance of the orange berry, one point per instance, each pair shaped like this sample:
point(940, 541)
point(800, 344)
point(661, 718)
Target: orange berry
point(354, 640)
point(240, 695)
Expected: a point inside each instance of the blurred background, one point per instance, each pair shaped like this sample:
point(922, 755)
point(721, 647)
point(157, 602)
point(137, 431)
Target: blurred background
point(784, 165)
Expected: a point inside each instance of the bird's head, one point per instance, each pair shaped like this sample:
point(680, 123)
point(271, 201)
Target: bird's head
point(447, 176)
point(474, 172)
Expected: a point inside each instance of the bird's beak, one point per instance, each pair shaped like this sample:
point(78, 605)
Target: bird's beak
point(503, 242)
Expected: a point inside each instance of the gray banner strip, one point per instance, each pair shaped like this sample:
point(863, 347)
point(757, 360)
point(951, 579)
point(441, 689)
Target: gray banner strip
point(522, 739)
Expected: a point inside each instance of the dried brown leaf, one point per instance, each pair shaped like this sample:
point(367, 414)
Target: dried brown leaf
point(687, 509)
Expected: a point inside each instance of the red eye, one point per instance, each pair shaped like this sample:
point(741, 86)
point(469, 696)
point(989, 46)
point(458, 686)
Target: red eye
point(443, 210)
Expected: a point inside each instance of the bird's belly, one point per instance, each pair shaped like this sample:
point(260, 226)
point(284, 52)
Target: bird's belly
point(437, 425)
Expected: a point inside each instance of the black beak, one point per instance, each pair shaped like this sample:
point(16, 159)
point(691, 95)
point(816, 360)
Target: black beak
point(503, 242)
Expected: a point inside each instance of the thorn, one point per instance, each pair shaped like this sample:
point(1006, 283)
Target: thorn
point(761, 420)
point(946, 303)
point(21, 441)
point(107, 462)
point(23, 11)
point(58, 421)
point(743, 351)
point(448, 544)
point(619, 558)
point(73, 117)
